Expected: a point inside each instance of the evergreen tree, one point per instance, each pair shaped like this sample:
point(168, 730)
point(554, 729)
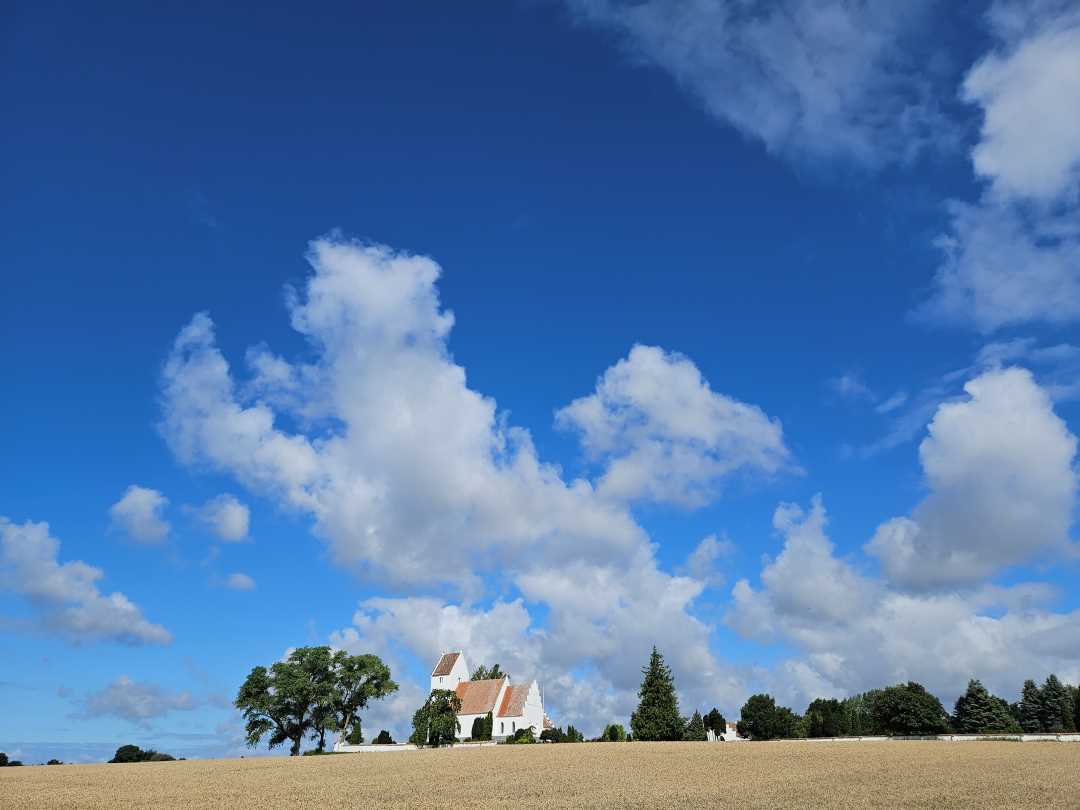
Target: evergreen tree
point(695, 729)
point(356, 735)
point(979, 712)
point(1055, 706)
point(573, 735)
point(477, 732)
point(1030, 708)
point(657, 716)
point(489, 726)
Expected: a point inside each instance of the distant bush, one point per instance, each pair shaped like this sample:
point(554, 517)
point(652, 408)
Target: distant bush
point(523, 736)
point(384, 738)
point(132, 753)
point(54, 762)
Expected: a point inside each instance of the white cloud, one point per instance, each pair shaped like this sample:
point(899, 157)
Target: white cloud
point(1004, 265)
point(601, 624)
point(409, 474)
point(999, 466)
point(1014, 257)
point(66, 595)
point(1029, 90)
point(414, 465)
point(809, 78)
point(226, 517)
point(852, 632)
point(702, 562)
point(240, 582)
point(666, 436)
point(135, 701)
point(139, 514)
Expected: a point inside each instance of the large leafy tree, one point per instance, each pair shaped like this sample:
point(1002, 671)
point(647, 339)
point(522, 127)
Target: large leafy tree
point(313, 691)
point(657, 716)
point(715, 722)
point(289, 700)
point(435, 723)
point(825, 718)
point(858, 719)
point(357, 680)
point(908, 709)
point(979, 712)
point(482, 673)
point(756, 717)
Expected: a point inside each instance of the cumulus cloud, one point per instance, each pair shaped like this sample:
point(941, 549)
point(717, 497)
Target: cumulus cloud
point(1029, 89)
point(601, 624)
point(240, 582)
point(664, 435)
point(1014, 256)
point(999, 466)
point(140, 514)
point(852, 632)
point(403, 462)
point(808, 78)
point(66, 595)
point(226, 517)
point(138, 702)
point(408, 473)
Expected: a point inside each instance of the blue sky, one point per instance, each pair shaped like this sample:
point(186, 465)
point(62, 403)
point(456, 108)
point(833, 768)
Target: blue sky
point(818, 221)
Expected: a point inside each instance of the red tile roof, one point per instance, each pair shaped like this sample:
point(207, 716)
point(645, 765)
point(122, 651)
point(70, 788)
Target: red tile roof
point(446, 663)
point(478, 697)
point(513, 704)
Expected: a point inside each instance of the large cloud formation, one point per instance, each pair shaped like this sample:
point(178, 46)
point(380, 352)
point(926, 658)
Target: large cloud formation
point(65, 596)
point(1002, 487)
point(411, 475)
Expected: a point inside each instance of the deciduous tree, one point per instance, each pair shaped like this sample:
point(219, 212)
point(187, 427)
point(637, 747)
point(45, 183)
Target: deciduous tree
point(908, 709)
point(482, 673)
point(356, 681)
point(435, 723)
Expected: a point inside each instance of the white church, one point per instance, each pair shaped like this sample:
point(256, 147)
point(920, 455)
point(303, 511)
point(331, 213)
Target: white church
point(512, 706)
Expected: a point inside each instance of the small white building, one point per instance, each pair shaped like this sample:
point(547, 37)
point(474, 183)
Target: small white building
point(730, 734)
point(512, 706)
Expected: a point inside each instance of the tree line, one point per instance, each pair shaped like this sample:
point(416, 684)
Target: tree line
point(910, 710)
point(899, 710)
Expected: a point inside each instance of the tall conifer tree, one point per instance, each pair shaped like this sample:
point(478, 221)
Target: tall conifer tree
point(657, 716)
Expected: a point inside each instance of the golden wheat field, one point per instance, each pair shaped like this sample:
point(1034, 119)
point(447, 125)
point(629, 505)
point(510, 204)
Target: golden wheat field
point(751, 775)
